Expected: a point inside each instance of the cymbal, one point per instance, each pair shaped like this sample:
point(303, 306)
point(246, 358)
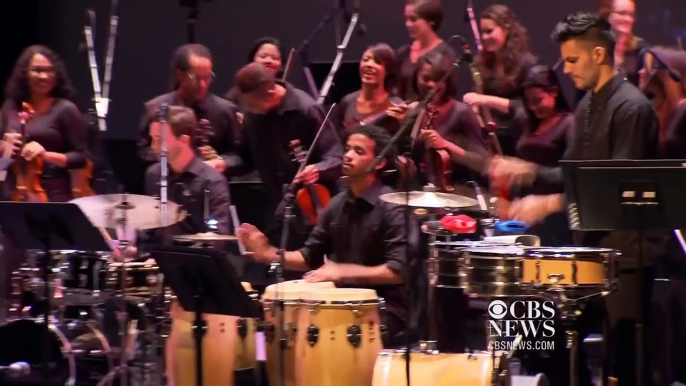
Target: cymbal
point(140, 212)
point(429, 200)
point(205, 237)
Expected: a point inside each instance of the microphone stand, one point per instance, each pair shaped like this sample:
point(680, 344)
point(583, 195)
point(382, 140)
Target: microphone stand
point(406, 185)
point(339, 56)
point(287, 204)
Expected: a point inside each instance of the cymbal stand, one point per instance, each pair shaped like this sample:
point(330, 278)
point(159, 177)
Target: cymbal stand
point(121, 370)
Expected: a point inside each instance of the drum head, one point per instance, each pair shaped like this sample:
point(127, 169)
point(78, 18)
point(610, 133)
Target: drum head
point(486, 251)
point(293, 289)
point(570, 252)
point(340, 294)
point(22, 342)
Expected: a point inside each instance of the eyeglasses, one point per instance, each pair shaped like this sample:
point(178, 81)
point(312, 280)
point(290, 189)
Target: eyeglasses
point(197, 78)
point(43, 70)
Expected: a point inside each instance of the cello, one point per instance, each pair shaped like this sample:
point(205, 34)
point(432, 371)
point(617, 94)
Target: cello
point(27, 173)
point(437, 162)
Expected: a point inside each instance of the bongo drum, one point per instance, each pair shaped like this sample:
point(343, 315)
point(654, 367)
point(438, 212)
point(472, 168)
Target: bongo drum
point(289, 292)
point(338, 337)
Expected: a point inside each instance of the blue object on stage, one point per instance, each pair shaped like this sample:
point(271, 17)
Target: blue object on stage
point(511, 226)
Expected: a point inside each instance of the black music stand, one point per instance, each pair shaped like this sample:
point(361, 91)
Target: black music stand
point(49, 226)
point(204, 282)
point(635, 195)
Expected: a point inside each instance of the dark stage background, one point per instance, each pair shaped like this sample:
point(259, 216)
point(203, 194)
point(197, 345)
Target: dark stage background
point(149, 30)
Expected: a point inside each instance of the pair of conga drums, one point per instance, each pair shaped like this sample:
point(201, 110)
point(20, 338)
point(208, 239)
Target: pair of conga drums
point(228, 345)
point(332, 335)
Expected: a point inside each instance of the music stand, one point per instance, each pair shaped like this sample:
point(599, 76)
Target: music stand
point(636, 195)
point(204, 282)
point(49, 226)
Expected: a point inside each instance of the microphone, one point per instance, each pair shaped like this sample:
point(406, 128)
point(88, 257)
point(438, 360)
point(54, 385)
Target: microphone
point(16, 369)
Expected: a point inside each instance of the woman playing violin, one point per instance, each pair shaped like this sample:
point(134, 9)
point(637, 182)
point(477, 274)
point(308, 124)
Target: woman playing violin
point(373, 102)
point(454, 125)
point(56, 132)
point(503, 64)
point(423, 19)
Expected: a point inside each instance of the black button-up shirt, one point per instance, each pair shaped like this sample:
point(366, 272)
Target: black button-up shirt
point(224, 135)
point(188, 189)
point(617, 122)
point(365, 231)
point(266, 139)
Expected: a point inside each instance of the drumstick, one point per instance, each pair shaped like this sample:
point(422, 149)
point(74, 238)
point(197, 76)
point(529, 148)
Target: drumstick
point(236, 224)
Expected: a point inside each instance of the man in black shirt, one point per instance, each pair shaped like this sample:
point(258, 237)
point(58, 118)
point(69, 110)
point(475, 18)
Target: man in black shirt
point(192, 77)
point(613, 121)
point(363, 238)
point(276, 114)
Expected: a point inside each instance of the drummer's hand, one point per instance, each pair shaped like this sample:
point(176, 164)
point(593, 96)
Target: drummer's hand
point(533, 209)
point(32, 150)
point(330, 271)
point(217, 164)
point(13, 140)
point(131, 252)
point(253, 240)
point(309, 175)
point(506, 172)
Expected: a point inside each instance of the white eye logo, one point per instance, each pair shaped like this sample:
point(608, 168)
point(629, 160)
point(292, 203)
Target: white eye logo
point(497, 309)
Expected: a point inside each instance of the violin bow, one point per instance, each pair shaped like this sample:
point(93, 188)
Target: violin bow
point(288, 65)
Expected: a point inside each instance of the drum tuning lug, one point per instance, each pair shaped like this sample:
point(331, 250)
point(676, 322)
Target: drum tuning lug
point(355, 335)
point(313, 335)
point(268, 329)
point(242, 328)
point(384, 334)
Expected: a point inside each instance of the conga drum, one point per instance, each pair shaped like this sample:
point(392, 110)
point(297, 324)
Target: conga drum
point(245, 328)
point(223, 349)
point(338, 337)
point(289, 292)
point(439, 369)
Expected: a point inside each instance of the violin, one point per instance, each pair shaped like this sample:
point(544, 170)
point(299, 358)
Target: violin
point(437, 162)
point(27, 173)
point(202, 135)
point(311, 198)
point(81, 181)
point(484, 114)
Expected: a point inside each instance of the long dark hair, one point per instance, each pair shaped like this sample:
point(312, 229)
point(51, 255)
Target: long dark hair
point(440, 66)
point(515, 49)
point(385, 55)
point(259, 43)
point(17, 89)
point(545, 78)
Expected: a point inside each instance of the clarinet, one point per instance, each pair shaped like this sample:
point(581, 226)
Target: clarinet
point(164, 109)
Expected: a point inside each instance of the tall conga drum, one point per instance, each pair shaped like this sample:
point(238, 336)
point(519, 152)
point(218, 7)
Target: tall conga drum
point(289, 292)
point(246, 356)
point(221, 347)
point(338, 337)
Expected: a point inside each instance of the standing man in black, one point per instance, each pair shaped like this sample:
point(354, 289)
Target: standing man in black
point(191, 79)
point(362, 237)
point(276, 114)
point(613, 121)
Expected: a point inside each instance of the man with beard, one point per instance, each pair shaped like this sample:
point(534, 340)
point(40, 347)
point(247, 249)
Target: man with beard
point(218, 131)
point(613, 121)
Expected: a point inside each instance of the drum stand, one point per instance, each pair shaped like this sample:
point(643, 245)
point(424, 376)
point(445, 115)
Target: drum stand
point(123, 369)
point(570, 312)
